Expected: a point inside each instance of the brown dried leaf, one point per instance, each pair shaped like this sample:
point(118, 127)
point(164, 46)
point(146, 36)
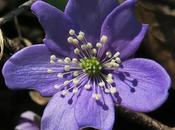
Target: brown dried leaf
point(37, 98)
point(1, 44)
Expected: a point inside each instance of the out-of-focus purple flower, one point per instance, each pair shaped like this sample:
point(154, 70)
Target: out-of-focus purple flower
point(28, 121)
point(84, 64)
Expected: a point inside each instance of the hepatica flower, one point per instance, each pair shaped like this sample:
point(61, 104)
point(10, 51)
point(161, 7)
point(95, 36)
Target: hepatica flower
point(84, 64)
point(28, 121)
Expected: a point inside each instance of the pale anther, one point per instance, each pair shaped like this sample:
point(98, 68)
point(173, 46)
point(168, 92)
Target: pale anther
point(75, 41)
point(89, 45)
point(52, 57)
point(57, 86)
point(75, 90)
point(66, 67)
point(83, 47)
point(66, 82)
point(116, 54)
point(118, 60)
point(76, 51)
point(60, 75)
point(80, 37)
point(115, 65)
point(110, 80)
point(81, 33)
point(64, 92)
point(52, 61)
point(94, 51)
point(49, 71)
point(96, 96)
point(103, 39)
point(67, 60)
point(75, 73)
point(107, 90)
point(70, 39)
point(59, 61)
point(99, 45)
point(108, 54)
point(72, 32)
point(113, 90)
point(74, 60)
point(75, 81)
point(101, 84)
point(109, 75)
point(87, 86)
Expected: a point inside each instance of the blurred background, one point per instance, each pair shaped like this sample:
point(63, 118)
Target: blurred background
point(159, 45)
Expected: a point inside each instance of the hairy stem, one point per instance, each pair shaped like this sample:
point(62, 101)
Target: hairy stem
point(143, 119)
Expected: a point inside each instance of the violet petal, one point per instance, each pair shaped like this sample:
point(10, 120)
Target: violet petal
point(27, 69)
point(89, 15)
point(95, 114)
point(124, 32)
point(56, 26)
point(59, 115)
point(146, 88)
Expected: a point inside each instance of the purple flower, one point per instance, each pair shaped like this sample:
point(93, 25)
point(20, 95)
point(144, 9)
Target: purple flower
point(84, 64)
point(28, 121)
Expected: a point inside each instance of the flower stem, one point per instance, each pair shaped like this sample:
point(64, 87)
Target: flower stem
point(143, 119)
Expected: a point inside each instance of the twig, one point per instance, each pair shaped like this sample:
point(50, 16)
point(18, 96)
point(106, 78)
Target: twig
point(166, 2)
point(18, 28)
point(16, 12)
point(143, 119)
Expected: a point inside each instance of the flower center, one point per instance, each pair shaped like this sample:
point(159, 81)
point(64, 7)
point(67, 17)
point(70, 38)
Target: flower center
point(91, 66)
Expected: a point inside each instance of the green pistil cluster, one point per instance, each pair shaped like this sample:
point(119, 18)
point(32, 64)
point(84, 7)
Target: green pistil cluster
point(91, 66)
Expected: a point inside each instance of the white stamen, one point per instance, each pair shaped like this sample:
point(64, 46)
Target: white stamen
point(82, 33)
point(115, 65)
point(87, 86)
point(89, 45)
point(109, 75)
point(101, 84)
point(70, 39)
point(75, 60)
point(64, 92)
point(75, 81)
point(52, 61)
point(80, 37)
point(72, 32)
point(66, 67)
point(108, 54)
point(94, 51)
point(76, 51)
point(110, 80)
point(83, 47)
point(116, 54)
point(59, 61)
point(118, 60)
point(67, 60)
point(60, 75)
point(75, 90)
point(52, 57)
point(75, 73)
point(113, 90)
point(56, 86)
point(99, 45)
point(104, 39)
point(49, 71)
point(66, 82)
point(75, 41)
point(96, 96)
point(107, 90)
